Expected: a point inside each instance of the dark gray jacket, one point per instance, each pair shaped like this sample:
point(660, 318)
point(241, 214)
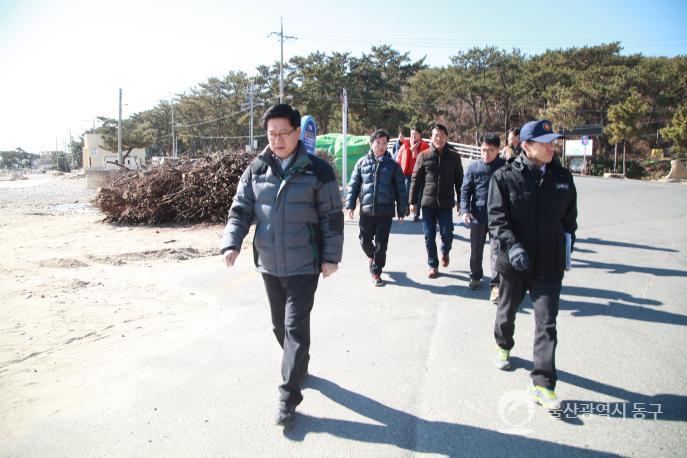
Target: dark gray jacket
point(475, 189)
point(297, 211)
point(380, 185)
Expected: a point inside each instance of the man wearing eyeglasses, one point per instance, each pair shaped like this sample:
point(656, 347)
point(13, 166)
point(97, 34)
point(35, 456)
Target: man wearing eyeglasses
point(532, 204)
point(293, 198)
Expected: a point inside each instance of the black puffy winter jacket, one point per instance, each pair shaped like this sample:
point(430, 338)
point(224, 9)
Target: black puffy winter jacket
point(379, 185)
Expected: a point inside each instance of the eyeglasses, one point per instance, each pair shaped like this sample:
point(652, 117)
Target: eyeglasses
point(284, 133)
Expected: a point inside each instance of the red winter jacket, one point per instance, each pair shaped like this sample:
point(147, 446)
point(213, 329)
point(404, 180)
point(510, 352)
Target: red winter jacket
point(406, 158)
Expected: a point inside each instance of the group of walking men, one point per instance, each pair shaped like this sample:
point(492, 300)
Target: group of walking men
point(526, 202)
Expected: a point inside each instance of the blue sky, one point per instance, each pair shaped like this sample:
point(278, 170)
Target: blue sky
point(59, 58)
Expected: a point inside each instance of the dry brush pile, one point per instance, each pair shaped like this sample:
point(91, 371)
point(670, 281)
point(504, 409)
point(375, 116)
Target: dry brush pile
point(188, 191)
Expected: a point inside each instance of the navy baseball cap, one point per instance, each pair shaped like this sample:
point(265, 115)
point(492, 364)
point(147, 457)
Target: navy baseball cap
point(539, 131)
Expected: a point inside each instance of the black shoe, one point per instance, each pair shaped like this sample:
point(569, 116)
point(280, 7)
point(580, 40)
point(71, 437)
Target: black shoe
point(286, 414)
point(416, 219)
point(377, 280)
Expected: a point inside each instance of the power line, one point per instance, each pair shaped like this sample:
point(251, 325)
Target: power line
point(427, 42)
point(211, 120)
point(219, 137)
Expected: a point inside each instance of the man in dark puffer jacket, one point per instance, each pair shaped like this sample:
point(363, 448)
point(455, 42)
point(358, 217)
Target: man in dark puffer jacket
point(377, 181)
point(440, 174)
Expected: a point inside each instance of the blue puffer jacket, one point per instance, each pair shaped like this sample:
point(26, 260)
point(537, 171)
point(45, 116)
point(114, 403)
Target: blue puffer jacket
point(380, 185)
point(475, 189)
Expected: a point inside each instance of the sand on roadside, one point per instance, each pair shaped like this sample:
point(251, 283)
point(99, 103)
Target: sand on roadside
point(73, 287)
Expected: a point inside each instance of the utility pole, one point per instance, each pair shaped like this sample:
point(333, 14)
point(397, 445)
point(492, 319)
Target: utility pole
point(174, 136)
point(71, 156)
point(120, 159)
point(250, 100)
point(344, 129)
point(65, 155)
point(281, 36)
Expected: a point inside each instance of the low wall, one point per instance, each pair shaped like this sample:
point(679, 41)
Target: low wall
point(98, 178)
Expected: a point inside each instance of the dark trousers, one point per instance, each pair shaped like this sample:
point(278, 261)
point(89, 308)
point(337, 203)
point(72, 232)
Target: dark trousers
point(374, 238)
point(418, 191)
point(478, 237)
point(430, 218)
point(291, 300)
point(545, 296)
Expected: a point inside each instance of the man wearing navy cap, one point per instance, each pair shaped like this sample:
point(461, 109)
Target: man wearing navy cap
point(532, 205)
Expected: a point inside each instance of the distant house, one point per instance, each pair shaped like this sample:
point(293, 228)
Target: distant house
point(96, 157)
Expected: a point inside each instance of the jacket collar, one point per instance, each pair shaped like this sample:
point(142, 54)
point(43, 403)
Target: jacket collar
point(446, 149)
point(386, 156)
point(300, 160)
point(522, 162)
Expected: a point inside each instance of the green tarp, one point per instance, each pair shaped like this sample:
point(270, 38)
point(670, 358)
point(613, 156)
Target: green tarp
point(357, 147)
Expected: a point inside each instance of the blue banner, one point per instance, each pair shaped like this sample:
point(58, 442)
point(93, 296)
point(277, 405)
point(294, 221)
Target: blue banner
point(308, 133)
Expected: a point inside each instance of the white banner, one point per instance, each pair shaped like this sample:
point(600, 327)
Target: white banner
point(578, 148)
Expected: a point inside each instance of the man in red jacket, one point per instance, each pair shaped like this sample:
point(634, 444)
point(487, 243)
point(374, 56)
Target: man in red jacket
point(406, 157)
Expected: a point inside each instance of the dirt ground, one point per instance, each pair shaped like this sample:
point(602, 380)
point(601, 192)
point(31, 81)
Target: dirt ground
point(71, 285)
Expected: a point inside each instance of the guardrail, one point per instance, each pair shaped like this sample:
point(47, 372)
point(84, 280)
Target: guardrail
point(466, 151)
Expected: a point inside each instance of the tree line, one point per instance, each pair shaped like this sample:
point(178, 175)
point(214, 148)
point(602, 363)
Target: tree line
point(639, 101)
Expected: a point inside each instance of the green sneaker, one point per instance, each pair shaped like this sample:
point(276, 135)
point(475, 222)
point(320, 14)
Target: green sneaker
point(502, 361)
point(545, 398)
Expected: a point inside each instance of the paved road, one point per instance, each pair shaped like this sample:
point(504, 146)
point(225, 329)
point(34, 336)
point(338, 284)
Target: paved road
point(407, 369)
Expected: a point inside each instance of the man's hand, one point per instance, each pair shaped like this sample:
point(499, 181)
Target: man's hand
point(328, 268)
point(467, 218)
point(350, 213)
point(230, 257)
point(518, 257)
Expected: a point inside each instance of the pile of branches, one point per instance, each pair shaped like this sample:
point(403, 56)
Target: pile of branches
point(184, 192)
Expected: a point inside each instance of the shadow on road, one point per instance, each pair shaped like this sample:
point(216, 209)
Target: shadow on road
point(622, 310)
point(387, 425)
point(606, 294)
point(613, 308)
point(595, 241)
point(672, 407)
point(459, 289)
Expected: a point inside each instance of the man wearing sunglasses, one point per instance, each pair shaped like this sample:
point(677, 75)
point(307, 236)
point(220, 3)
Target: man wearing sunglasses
point(293, 198)
point(532, 204)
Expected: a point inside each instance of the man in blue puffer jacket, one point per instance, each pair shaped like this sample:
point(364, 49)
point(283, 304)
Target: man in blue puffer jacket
point(378, 182)
point(473, 207)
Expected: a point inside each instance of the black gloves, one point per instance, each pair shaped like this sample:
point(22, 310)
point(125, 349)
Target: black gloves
point(518, 257)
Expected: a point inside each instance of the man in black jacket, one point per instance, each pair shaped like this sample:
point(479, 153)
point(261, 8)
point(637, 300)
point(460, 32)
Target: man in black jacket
point(532, 213)
point(473, 207)
point(379, 183)
point(439, 172)
point(514, 148)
